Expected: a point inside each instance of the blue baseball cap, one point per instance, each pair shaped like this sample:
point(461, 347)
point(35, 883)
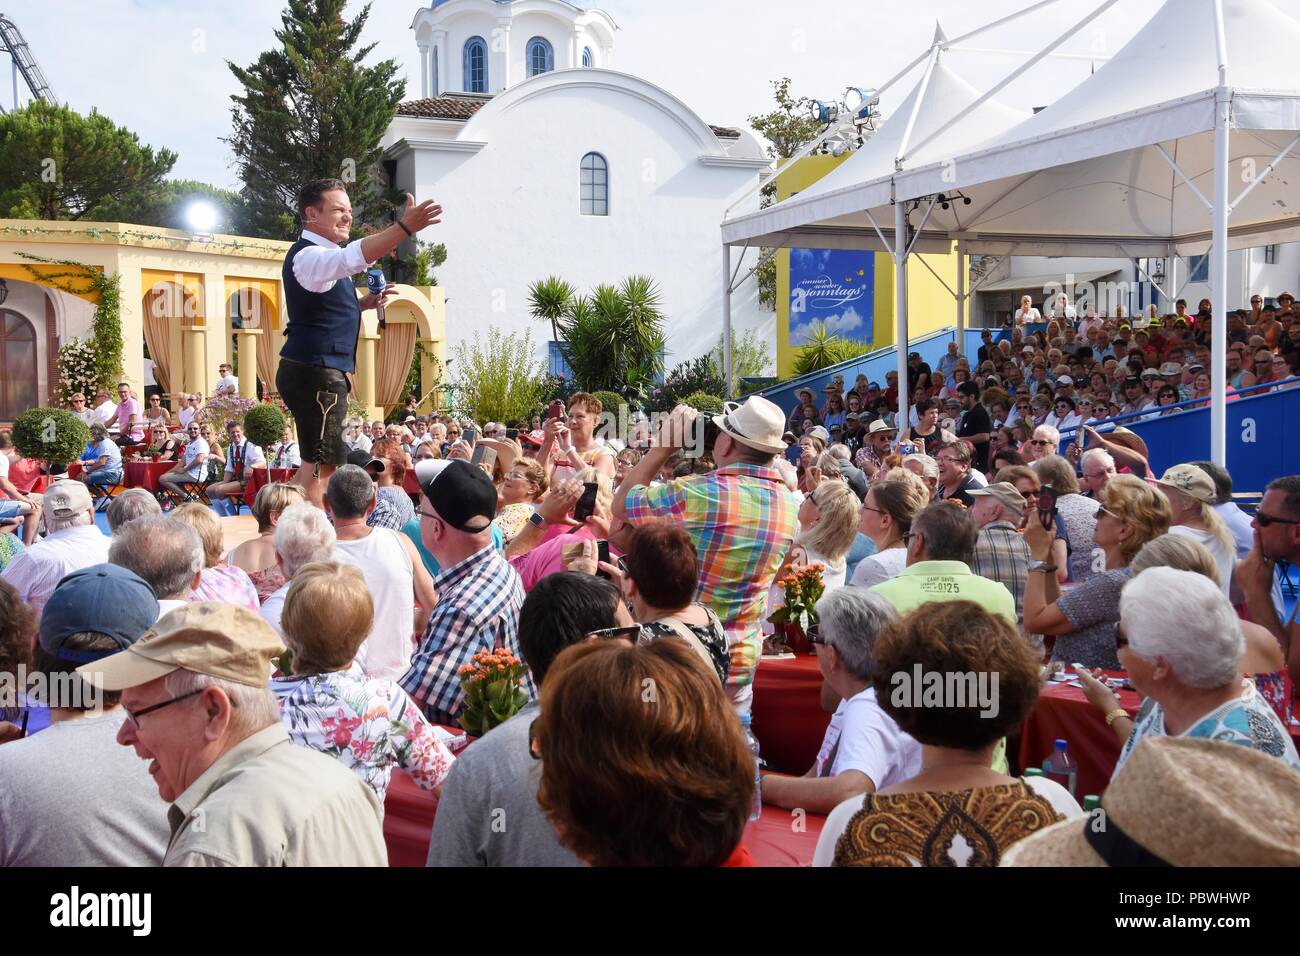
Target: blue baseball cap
point(104, 598)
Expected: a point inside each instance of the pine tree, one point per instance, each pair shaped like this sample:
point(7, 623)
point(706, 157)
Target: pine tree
point(312, 110)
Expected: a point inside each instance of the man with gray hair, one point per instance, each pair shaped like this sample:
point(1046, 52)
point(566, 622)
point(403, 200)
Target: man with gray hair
point(864, 750)
point(168, 554)
point(198, 708)
point(129, 505)
point(1096, 468)
point(303, 536)
point(73, 542)
point(1045, 442)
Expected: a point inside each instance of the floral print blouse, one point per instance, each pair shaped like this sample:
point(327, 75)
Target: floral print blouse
point(371, 725)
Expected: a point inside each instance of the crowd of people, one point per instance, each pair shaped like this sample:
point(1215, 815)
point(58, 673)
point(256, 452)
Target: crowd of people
point(271, 689)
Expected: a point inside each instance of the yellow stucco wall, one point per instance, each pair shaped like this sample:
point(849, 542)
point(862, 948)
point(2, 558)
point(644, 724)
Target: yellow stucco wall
point(210, 269)
point(930, 305)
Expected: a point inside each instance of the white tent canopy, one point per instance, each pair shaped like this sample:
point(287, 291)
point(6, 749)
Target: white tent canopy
point(829, 213)
point(1183, 140)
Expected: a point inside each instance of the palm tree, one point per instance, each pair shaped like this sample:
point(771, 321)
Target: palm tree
point(549, 299)
point(614, 336)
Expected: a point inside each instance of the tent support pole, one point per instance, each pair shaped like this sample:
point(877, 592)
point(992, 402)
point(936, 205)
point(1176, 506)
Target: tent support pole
point(900, 310)
point(961, 299)
point(1173, 281)
point(726, 319)
point(1184, 177)
point(1219, 281)
point(1260, 178)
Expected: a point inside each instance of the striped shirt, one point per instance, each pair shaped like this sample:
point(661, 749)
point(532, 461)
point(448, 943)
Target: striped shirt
point(477, 610)
point(742, 519)
point(1001, 555)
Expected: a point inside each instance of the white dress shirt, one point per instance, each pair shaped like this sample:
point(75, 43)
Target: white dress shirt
point(35, 572)
point(319, 267)
point(105, 413)
point(229, 384)
point(252, 455)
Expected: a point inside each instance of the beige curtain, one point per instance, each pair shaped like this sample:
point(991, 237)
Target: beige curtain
point(158, 332)
point(266, 359)
point(393, 361)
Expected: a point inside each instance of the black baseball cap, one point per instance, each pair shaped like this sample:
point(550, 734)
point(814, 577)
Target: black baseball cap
point(459, 493)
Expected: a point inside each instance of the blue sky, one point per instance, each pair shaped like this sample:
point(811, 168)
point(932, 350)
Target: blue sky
point(159, 67)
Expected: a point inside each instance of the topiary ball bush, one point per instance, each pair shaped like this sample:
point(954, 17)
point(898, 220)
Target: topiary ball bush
point(263, 425)
point(610, 401)
point(54, 435)
point(709, 404)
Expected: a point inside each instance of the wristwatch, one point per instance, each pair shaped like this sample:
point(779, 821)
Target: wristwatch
point(536, 520)
point(1041, 566)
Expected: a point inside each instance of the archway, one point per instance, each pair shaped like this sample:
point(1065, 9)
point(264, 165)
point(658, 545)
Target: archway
point(18, 376)
point(253, 319)
point(174, 333)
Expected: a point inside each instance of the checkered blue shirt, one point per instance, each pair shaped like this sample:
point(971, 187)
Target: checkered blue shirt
point(477, 610)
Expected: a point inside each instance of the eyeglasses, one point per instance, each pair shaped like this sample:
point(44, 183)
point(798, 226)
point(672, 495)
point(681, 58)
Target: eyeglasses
point(907, 537)
point(134, 715)
point(1039, 441)
point(814, 635)
point(532, 741)
point(1265, 520)
point(1108, 513)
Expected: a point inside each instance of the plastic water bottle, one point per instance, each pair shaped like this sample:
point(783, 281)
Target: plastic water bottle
point(1091, 802)
point(1032, 772)
point(752, 742)
point(1061, 767)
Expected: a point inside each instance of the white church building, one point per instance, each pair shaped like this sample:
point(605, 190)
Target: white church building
point(549, 162)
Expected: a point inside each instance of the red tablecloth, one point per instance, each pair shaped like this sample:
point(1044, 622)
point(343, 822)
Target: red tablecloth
point(257, 477)
point(788, 718)
point(1063, 712)
point(779, 838)
point(145, 474)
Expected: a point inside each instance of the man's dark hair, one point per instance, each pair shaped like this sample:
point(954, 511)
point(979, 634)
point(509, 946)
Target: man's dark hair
point(560, 610)
point(970, 389)
point(1289, 485)
point(1222, 480)
point(6, 439)
point(949, 531)
point(311, 194)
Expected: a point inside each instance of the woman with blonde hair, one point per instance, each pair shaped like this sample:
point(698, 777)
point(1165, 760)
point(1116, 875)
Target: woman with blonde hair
point(886, 516)
point(1192, 495)
point(524, 485)
point(257, 556)
point(828, 521)
point(369, 724)
point(1084, 619)
point(1263, 661)
point(219, 582)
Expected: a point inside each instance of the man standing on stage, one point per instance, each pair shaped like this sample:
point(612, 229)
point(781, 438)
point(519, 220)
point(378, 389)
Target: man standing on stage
point(320, 346)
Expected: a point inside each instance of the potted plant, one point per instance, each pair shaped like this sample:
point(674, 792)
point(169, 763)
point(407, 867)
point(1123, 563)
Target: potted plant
point(493, 689)
point(264, 425)
point(796, 618)
point(54, 435)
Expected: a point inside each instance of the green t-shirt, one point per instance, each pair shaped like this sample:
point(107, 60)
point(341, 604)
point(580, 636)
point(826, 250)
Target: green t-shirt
point(928, 581)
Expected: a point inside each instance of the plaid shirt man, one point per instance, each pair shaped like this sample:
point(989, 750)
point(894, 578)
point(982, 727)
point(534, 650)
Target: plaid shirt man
point(742, 519)
point(477, 610)
point(1001, 555)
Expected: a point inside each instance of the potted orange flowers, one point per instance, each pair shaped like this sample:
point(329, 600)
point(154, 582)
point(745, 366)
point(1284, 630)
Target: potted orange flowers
point(803, 588)
point(492, 684)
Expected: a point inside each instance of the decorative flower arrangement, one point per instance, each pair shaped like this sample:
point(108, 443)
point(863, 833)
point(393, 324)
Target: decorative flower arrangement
point(803, 589)
point(78, 371)
point(492, 688)
point(218, 411)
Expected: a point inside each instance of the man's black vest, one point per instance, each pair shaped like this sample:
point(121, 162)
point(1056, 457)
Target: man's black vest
point(323, 326)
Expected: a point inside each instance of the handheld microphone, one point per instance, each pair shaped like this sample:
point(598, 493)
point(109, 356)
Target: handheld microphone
point(376, 283)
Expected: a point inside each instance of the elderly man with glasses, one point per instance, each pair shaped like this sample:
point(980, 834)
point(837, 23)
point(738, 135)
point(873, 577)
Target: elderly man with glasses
point(198, 708)
point(1045, 441)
